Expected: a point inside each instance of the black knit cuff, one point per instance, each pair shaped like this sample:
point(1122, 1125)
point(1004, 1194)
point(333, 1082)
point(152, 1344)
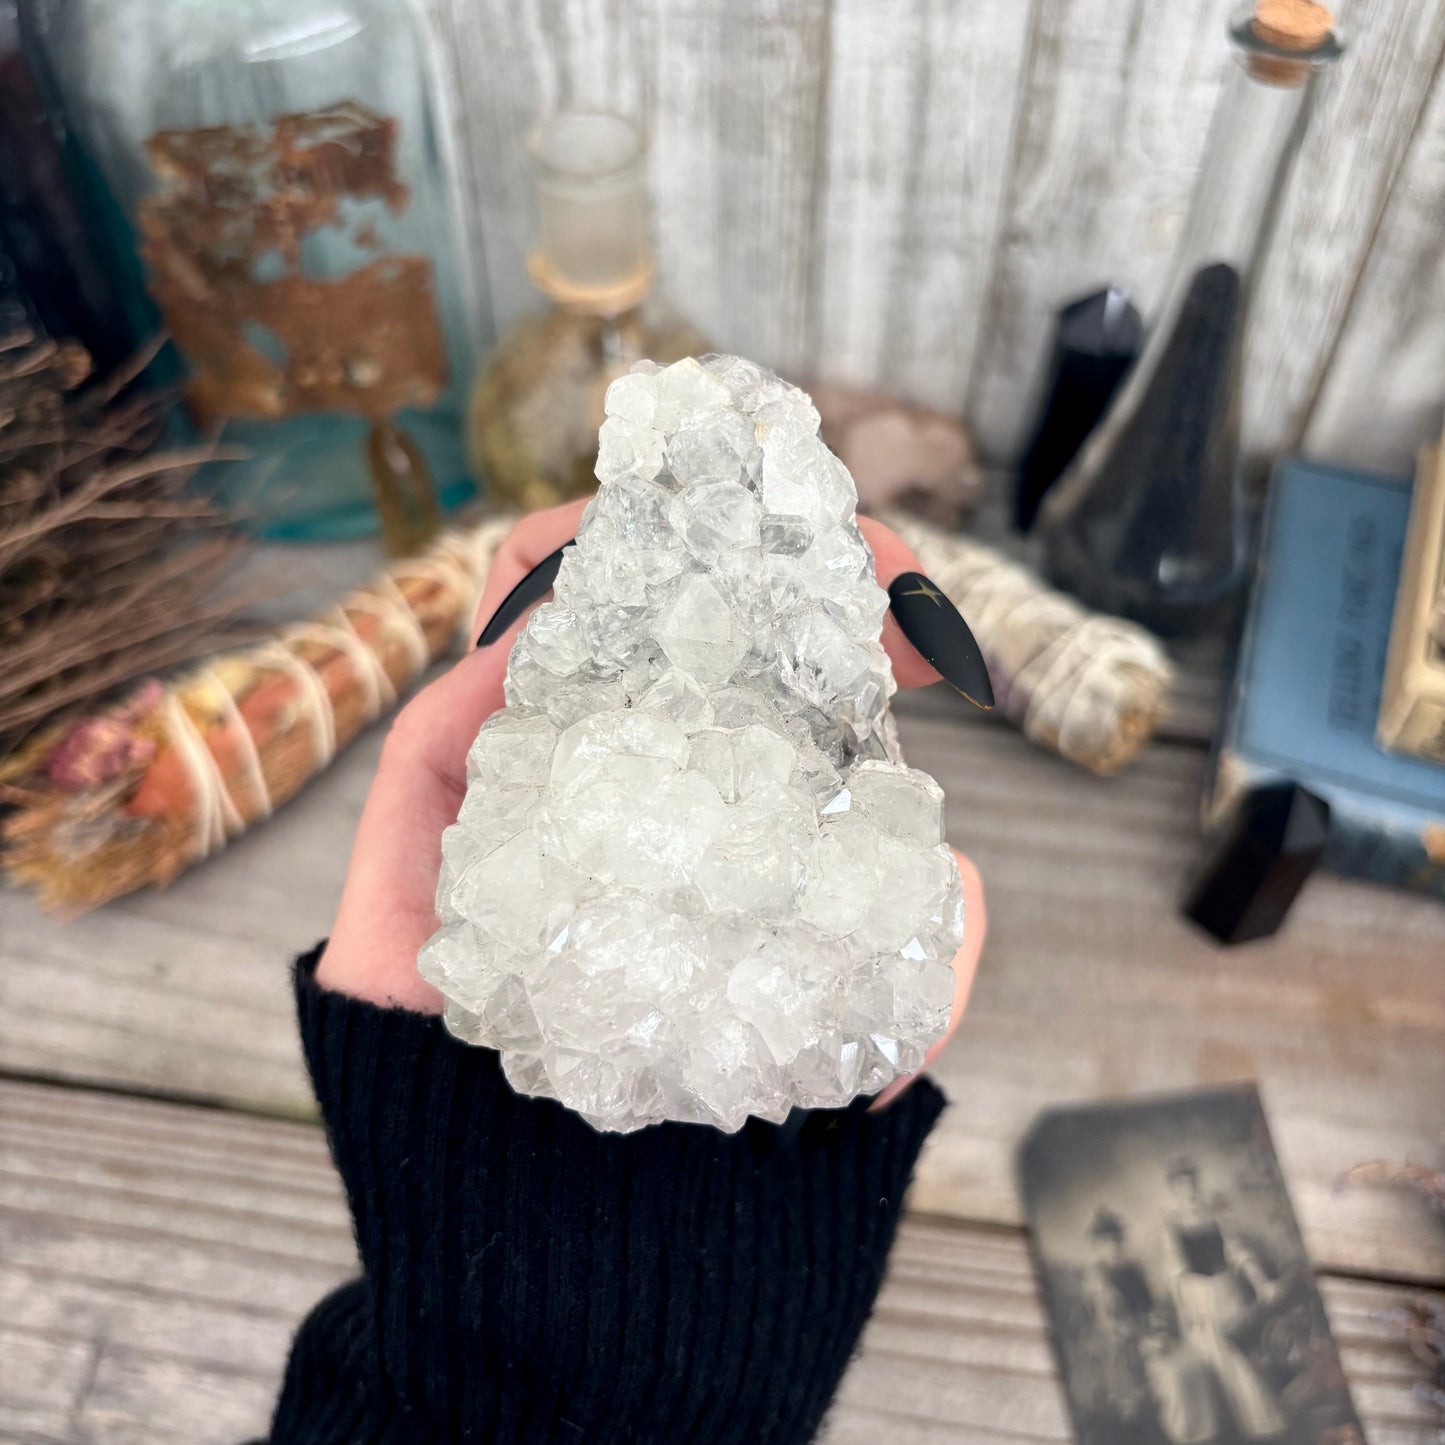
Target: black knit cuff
point(530, 1279)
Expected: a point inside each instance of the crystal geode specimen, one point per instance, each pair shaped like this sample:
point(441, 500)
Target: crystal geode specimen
point(692, 878)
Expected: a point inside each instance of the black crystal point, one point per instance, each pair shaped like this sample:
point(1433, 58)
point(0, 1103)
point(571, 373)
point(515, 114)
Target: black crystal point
point(1149, 525)
point(1258, 865)
point(1096, 340)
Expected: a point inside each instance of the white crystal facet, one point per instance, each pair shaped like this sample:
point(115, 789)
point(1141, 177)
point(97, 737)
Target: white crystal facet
point(699, 633)
point(692, 878)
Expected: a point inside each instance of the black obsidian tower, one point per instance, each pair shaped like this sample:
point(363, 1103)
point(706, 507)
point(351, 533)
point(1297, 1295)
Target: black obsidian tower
point(1259, 864)
point(1096, 340)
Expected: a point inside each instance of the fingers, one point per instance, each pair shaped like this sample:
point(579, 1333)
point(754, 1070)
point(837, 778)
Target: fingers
point(386, 913)
point(891, 556)
point(433, 731)
point(531, 541)
point(965, 966)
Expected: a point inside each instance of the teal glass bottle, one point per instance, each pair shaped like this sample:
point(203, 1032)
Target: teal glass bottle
point(281, 171)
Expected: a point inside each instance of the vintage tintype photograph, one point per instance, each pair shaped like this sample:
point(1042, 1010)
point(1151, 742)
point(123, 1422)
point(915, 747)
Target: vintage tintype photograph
point(1182, 1304)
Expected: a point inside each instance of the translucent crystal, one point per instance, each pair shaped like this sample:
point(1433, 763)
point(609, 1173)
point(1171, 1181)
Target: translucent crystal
point(518, 894)
point(625, 449)
point(755, 864)
point(800, 480)
point(687, 396)
point(622, 732)
point(512, 748)
point(699, 633)
point(901, 801)
point(843, 875)
point(633, 399)
point(679, 696)
point(692, 878)
point(713, 756)
point(712, 519)
point(783, 998)
point(763, 756)
point(726, 450)
point(826, 667)
point(559, 644)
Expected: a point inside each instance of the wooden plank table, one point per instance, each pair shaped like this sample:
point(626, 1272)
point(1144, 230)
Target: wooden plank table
point(157, 1256)
point(155, 1253)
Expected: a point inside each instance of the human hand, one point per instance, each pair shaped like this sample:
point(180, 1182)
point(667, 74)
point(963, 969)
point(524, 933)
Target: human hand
point(387, 904)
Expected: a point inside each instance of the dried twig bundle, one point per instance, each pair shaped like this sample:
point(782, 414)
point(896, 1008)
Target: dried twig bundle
point(133, 795)
point(1090, 687)
point(106, 559)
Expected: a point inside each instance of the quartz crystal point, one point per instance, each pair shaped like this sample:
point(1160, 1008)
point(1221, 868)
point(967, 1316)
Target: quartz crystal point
point(692, 878)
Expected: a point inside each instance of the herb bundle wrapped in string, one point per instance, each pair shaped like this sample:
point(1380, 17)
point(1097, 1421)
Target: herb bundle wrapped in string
point(133, 794)
point(109, 562)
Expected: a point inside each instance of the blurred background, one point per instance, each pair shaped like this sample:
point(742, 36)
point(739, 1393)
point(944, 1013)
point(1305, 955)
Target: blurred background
point(902, 194)
point(1129, 315)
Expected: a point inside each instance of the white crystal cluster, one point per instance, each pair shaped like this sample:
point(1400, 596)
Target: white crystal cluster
point(692, 879)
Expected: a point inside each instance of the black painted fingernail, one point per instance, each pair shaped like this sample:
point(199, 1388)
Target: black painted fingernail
point(537, 583)
point(936, 628)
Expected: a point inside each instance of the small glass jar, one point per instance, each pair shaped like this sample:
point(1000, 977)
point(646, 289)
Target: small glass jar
point(537, 407)
point(280, 168)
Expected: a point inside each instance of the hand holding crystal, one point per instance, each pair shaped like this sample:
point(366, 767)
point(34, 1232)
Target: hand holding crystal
point(387, 909)
point(690, 876)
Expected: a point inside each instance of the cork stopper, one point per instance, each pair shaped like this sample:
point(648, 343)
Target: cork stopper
point(1301, 26)
point(603, 297)
point(1293, 24)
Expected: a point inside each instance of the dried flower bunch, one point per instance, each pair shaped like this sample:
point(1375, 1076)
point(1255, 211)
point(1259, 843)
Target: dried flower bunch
point(108, 569)
point(107, 560)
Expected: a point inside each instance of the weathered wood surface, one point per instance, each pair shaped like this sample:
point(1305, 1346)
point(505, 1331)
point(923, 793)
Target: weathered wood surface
point(911, 191)
point(903, 191)
point(1374, 104)
point(157, 1257)
point(1090, 985)
point(1396, 319)
point(1113, 117)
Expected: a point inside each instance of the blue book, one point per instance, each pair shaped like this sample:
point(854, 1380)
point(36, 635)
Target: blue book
point(1306, 690)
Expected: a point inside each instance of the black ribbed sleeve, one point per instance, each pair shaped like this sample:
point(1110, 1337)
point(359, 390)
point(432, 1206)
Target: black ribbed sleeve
point(527, 1279)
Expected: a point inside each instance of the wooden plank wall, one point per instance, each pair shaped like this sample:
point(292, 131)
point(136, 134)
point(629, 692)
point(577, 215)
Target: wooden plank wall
point(902, 191)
